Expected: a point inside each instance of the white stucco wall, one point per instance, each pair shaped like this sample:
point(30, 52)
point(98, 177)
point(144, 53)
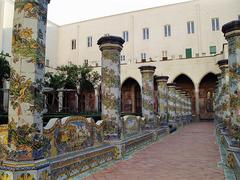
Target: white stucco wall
point(199, 11)
point(195, 69)
point(52, 43)
point(58, 45)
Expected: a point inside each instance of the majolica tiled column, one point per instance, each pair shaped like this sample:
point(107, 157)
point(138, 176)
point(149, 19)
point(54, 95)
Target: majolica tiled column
point(162, 97)
point(171, 102)
point(148, 94)
point(28, 68)
point(178, 103)
point(111, 47)
point(225, 95)
point(231, 32)
point(218, 98)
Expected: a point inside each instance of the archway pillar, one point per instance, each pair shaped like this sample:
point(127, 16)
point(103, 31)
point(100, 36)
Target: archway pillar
point(60, 100)
point(96, 90)
point(197, 103)
point(76, 102)
point(5, 99)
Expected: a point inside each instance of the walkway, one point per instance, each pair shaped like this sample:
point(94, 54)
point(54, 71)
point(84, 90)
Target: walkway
point(189, 154)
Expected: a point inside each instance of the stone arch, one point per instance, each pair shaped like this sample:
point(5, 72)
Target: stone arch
point(186, 83)
point(204, 75)
point(86, 98)
point(179, 74)
point(207, 88)
point(131, 102)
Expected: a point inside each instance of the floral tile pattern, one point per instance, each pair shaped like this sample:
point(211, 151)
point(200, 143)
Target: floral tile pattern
point(111, 102)
point(234, 77)
point(26, 99)
point(162, 99)
point(171, 103)
point(147, 94)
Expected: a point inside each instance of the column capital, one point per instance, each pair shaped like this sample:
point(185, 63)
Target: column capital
point(110, 42)
point(231, 29)
point(161, 78)
point(222, 62)
point(147, 69)
point(219, 75)
point(171, 85)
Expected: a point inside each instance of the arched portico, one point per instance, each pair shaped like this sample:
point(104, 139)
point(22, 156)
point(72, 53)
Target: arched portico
point(86, 98)
point(206, 90)
point(131, 96)
point(186, 83)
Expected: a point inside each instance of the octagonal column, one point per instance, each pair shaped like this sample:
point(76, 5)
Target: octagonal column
point(231, 32)
point(148, 95)
point(178, 103)
point(26, 100)
point(171, 102)
point(111, 47)
point(162, 97)
point(218, 97)
point(225, 95)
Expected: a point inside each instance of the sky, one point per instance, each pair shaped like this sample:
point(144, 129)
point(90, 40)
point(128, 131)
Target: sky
point(69, 11)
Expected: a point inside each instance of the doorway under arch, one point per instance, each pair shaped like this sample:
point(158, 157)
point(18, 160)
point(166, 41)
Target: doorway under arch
point(187, 85)
point(86, 98)
point(131, 102)
point(206, 91)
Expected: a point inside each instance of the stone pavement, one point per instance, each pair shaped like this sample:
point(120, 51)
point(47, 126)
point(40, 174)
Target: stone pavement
point(189, 154)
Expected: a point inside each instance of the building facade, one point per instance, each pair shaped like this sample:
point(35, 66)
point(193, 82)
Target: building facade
point(184, 41)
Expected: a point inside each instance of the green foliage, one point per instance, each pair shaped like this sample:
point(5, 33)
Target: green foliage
point(55, 81)
point(4, 66)
point(88, 77)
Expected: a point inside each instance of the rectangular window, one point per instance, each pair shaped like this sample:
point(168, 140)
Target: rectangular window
point(215, 24)
point(189, 53)
point(125, 36)
point(86, 61)
point(143, 57)
point(89, 41)
point(213, 49)
point(74, 44)
point(164, 55)
point(122, 58)
point(190, 27)
point(167, 30)
point(145, 33)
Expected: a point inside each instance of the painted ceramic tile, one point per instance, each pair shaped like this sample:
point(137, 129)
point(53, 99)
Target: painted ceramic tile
point(69, 134)
point(131, 125)
point(148, 96)
point(26, 99)
point(162, 100)
point(111, 95)
point(234, 78)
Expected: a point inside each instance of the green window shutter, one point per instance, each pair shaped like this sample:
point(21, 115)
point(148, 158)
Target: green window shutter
point(213, 49)
point(189, 53)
